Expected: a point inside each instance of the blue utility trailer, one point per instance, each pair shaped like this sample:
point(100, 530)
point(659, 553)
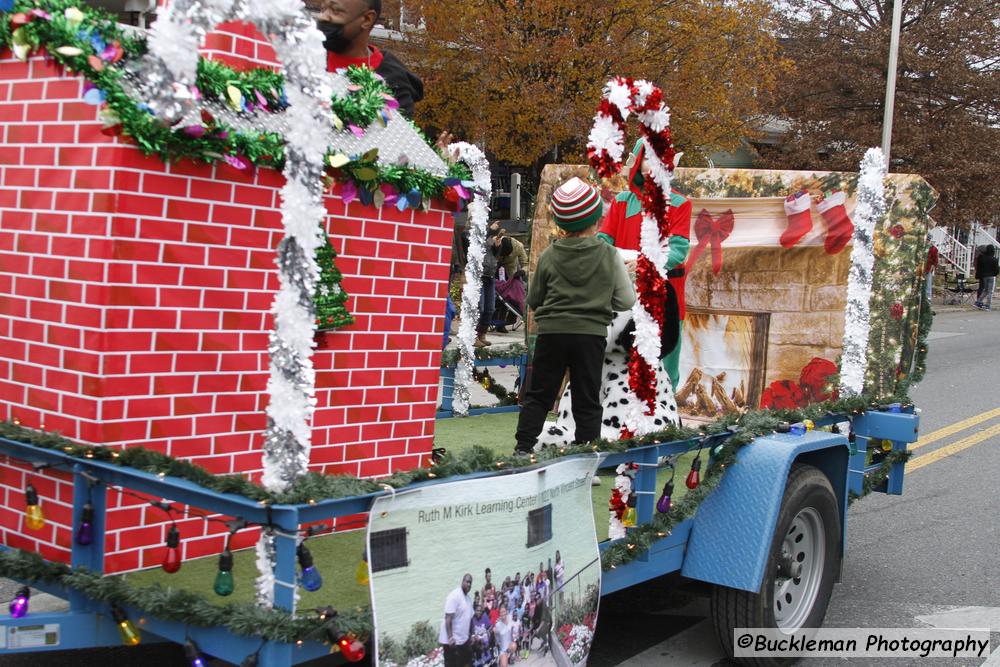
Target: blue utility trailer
point(769, 539)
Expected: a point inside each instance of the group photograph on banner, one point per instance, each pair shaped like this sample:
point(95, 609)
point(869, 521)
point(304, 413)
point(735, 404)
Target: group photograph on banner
point(487, 571)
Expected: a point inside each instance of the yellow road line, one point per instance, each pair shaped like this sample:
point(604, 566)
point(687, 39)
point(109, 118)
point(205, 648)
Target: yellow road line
point(953, 448)
point(955, 428)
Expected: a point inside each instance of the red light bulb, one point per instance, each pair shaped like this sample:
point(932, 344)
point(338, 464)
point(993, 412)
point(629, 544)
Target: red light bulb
point(694, 477)
point(172, 559)
point(351, 649)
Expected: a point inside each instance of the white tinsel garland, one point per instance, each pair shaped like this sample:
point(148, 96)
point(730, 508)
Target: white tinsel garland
point(479, 213)
point(170, 68)
point(605, 147)
point(857, 321)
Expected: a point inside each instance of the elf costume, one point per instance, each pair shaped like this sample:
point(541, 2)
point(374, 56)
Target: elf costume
point(622, 228)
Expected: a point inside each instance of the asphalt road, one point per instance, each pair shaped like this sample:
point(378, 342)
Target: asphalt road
point(930, 557)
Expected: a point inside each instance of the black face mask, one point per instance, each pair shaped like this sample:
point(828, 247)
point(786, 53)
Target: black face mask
point(334, 33)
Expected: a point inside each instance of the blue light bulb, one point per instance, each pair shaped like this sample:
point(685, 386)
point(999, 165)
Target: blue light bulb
point(311, 579)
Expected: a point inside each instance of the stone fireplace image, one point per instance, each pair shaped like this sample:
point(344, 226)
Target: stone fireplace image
point(723, 362)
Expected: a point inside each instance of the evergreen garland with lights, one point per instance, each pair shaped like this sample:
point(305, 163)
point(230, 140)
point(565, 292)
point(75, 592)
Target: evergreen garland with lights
point(182, 606)
point(725, 437)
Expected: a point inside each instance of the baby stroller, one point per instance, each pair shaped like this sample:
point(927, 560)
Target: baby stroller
point(509, 310)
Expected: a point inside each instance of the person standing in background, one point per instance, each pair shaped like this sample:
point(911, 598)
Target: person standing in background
point(930, 267)
point(347, 26)
point(987, 269)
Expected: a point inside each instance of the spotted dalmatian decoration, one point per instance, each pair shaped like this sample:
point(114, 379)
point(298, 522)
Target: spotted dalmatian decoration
point(616, 396)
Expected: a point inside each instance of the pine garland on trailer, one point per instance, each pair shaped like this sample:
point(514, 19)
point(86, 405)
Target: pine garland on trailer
point(91, 43)
point(315, 487)
point(725, 437)
point(185, 607)
point(449, 358)
point(487, 381)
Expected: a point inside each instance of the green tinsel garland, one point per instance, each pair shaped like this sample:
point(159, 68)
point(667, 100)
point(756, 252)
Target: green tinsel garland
point(218, 141)
point(366, 99)
point(185, 607)
point(330, 299)
point(215, 78)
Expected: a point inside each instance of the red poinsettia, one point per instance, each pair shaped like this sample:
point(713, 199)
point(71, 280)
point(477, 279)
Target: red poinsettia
point(783, 395)
point(896, 231)
point(815, 380)
point(896, 312)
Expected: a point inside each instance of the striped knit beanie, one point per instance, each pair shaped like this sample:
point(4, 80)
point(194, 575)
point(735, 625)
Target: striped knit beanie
point(576, 205)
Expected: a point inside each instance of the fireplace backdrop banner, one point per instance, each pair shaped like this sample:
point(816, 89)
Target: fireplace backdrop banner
point(767, 282)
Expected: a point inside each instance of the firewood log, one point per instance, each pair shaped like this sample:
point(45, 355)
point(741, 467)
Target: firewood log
point(719, 393)
point(694, 379)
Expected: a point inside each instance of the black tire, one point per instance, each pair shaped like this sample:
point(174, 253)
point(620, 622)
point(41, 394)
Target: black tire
point(806, 487)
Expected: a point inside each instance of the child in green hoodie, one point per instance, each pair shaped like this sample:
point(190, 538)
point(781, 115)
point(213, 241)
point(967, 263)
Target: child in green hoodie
point(578, 285)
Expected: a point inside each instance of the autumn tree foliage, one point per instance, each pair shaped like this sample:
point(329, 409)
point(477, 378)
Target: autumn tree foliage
point(947, 105)
point(523, 77)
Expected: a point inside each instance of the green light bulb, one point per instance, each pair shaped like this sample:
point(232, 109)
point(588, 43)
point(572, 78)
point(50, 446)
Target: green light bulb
point(224, 579)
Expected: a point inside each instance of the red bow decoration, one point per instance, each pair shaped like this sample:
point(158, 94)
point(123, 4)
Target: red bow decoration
point(711, 232)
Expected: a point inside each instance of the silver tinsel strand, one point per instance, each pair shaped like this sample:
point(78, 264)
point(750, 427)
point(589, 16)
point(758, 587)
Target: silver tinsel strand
point(870, 211)
point(479, 213)
point(168, 73)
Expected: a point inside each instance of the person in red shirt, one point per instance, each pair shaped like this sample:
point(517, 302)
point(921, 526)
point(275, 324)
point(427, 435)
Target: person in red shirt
point(347, 26)
point(621, 228)
point(930, 266)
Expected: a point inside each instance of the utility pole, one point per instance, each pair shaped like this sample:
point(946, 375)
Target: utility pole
point(890, 84)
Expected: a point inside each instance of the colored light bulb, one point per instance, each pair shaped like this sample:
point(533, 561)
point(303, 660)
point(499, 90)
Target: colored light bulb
point(172, 559)
point(224, 579)
point(887, 445)
point(663, 504)
point(361, 571)
point(34, 517)
point(311, 579)
point(85, 531)
point(193, 654)
point(19, 605)
point(130, 636)
point(798, 429)
point(694, 477)
point(628, 519)
point(809, 424)
point(351, 649)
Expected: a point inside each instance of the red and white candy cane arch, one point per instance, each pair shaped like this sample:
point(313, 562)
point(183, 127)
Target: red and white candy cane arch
point(605, 149)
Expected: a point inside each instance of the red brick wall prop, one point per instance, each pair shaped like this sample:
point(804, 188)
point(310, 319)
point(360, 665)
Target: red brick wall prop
point(134, 302)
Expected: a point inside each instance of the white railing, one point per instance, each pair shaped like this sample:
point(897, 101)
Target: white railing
point(982, 237)
point(952, 250)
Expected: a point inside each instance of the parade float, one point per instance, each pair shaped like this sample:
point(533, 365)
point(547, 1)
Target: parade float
point(220, 332)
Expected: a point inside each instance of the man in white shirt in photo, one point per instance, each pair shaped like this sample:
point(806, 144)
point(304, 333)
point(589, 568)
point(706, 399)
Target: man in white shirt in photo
point(454, 636)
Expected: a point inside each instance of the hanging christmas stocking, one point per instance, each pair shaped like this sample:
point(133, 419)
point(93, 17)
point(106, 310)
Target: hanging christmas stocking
point(799, 218)
point(839, 228)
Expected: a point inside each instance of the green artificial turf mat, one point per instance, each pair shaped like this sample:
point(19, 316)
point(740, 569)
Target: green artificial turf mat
point(495, 431)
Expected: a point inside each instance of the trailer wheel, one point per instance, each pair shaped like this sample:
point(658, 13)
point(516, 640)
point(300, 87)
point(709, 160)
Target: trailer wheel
point(800, 572)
